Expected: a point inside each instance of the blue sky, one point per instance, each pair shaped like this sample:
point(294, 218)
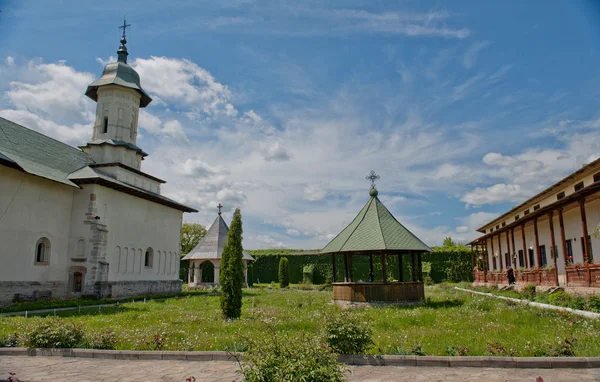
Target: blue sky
point(282, 108)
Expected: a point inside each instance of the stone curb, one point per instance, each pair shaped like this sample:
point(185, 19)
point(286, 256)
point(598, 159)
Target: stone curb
point(357, 359)
point(583, 313)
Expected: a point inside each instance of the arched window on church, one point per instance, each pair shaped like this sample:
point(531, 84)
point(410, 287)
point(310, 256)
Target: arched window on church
point(42, 251)
point(149, 258)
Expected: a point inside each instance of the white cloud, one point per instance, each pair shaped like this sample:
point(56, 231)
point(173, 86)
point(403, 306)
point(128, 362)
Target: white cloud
point(184, 82)
point(293, 232)
point(471, 53)
point(267, 241)
point(497, 193)
point(314, 193)
point(274, 151)
point(462, 229)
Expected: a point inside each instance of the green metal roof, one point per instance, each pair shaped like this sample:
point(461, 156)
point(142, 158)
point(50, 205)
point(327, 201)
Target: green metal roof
point(38, 154)
point(375, 229)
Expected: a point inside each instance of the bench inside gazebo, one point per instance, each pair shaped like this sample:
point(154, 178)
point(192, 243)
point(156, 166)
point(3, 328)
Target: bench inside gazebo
point(375, 234)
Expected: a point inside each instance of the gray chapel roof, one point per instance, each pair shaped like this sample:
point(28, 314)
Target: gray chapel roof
point(34, 153)
point(212, 244)
point(38, 154)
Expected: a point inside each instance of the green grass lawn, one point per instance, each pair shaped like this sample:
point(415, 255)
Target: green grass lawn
point(449, 319)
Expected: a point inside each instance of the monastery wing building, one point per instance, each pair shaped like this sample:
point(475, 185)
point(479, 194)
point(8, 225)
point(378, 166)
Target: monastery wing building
point(548, 239)
point(87, 221)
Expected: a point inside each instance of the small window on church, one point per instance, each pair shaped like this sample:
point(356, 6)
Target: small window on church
point(105, 125)
point(42, 251)
point(148, 258)
point(77, 281)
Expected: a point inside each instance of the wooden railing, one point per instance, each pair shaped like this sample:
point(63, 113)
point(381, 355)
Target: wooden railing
point(584, 276)
point(545, 277)
point(381, 291)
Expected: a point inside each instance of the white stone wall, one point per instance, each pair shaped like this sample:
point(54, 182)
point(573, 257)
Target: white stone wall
point(31, 208)
point(134, 225)
point(131, 177)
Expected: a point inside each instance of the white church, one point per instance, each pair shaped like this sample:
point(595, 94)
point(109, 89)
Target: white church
point(87, 221)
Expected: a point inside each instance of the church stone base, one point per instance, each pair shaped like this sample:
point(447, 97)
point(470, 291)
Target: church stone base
point(16, 291)
point(118, 289)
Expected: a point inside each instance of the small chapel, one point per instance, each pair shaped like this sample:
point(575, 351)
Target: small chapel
point(87, 221)
point(205, 258)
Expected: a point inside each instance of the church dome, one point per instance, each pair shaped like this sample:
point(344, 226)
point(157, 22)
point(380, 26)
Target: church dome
point(119, 73)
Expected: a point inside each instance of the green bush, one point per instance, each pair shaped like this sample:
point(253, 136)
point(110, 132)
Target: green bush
point(593, 304)
point(349, 334)
point(287, 359)
point(55, 333)
point(528, 291)
point(9, 341)
point(284, 273)
point(560, 298)
point(106, 340)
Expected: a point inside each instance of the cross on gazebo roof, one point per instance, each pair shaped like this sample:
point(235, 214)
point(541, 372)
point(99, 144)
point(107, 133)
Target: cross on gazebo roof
point(219, 207)
point(372, 177)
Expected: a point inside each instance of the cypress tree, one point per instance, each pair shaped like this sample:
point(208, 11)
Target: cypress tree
point(284, 272)
point(232, 270)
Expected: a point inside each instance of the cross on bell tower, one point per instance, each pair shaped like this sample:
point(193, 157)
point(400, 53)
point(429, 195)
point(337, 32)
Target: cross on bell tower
point(124, 26)
point(122, 52)
point(219, 207)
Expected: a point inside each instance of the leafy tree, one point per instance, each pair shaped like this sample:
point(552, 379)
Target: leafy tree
point(232, 270)
point(191, 234)
point(284, 272)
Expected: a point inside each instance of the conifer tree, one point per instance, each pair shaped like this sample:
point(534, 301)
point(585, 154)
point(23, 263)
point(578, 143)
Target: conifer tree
point(232, 270)
point(284, 272)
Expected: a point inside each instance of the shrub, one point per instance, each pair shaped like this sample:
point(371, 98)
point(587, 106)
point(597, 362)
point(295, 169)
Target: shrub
point(284, 273)
point(232, 270)
point(497, 349)
point(349, 334)
point(9, 341)
point(457, 351)
point(55, 333)
point(564, 348)
point(528, 291)
point(289, 360)
point(560, 298)
point(106, 340)
point(593, 303)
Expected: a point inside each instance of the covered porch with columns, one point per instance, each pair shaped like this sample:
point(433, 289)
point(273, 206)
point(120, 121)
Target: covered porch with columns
point(546, 247)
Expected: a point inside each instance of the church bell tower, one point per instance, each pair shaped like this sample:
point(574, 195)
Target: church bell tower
point(119, 97)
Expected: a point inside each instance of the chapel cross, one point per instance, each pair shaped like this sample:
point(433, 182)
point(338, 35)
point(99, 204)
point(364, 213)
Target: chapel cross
point(372, 177)
point(219, 207)
point(124, 26)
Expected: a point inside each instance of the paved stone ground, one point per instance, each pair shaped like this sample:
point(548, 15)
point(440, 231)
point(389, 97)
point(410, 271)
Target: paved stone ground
point(31, 369)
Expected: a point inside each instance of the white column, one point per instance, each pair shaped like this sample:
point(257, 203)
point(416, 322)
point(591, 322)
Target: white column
point(217, 272)
point(246, 272)
point(190, 273)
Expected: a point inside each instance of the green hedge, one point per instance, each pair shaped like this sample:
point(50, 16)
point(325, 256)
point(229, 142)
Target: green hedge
point(451, 266)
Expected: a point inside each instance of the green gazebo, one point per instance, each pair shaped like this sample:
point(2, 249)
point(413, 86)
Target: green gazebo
point(375, 232)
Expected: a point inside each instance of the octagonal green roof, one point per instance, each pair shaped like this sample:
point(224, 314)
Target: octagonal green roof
point(375, 229)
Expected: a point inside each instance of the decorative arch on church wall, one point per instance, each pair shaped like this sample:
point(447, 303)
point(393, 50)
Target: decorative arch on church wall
point(123, 262)
point(80, 250)
point(117, 259)
point(140, 261)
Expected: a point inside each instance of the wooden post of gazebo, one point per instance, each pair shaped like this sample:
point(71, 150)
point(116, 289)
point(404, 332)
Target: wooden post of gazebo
point(376, 233)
